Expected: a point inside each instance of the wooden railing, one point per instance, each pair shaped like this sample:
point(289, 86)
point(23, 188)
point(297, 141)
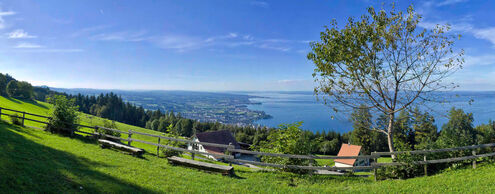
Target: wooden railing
point(231, 149)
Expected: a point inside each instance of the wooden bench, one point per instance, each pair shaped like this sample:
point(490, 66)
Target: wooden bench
point(225, 170)
point(134, 151)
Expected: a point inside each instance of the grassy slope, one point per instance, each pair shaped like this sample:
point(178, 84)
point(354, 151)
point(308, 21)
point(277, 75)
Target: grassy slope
point(34, 160)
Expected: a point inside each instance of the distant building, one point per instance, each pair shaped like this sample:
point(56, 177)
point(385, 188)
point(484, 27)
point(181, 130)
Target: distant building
point(351, 150)
point(218, 137)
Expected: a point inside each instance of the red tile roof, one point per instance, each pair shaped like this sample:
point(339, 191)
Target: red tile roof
point(348, 150)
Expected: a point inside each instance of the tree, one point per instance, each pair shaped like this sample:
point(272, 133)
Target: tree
point(12, 89)
point(384, 61)
point(486, 133)
point(425, 130)
point(458, 131)
point(403, 131)
point(361, 134)
point(288, 139)
point(63, 115)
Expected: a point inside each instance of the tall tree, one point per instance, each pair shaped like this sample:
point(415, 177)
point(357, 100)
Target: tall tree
point(385, 61)
point(458, 131)
point(361, 133)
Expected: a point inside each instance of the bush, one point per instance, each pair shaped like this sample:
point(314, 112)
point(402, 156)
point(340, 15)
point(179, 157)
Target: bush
point(63, 115)
point(169, 152)
point(288, 139)
point(15, 119)
point(111, 125)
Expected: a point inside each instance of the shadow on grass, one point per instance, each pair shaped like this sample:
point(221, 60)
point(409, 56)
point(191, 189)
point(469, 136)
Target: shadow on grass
point(13, 100)
point(26, 166)
point(35, 103)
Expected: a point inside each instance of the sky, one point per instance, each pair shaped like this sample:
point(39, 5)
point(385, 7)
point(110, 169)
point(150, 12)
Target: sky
point(206, 45)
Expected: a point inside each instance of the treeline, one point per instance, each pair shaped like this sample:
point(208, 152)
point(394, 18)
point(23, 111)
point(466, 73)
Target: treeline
point(10, 87)
point(416, 130)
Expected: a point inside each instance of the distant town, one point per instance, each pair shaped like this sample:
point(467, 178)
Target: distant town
point(202, 106)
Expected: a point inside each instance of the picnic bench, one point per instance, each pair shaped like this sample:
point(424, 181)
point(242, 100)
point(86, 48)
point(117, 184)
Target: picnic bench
point(133, 150)
point(225, 170)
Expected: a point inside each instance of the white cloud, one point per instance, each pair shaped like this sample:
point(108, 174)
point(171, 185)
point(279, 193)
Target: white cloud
point(449, 2)
point(178, 42)
point(4, 13)
point(18, 34)
point(48, 50)
point(479, 33)
point(479, 60)
point(121, 36)
point(28, 45)
point(486, 33)
point(261, 4)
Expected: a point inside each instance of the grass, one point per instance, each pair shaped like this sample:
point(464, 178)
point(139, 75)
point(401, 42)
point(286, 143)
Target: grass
point(33, 160)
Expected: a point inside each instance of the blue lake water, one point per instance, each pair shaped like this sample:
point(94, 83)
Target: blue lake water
point(289, 107)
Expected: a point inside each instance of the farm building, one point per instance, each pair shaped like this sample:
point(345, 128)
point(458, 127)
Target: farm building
point(350, 150)
point(218, 137)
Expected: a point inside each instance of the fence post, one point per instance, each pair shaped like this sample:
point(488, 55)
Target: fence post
point(311, 161)
point(158, 148)
point(0, 113)
point(193, 148)
point(474, 160)
point(375, 160)
point(230, 152)
point(23, 116)
point(129, 138)
point(425, 166)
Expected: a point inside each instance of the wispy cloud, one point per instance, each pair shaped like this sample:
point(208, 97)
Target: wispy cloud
point(2, 14)
point(27, 45)
point(479, 33)
point(449, 2)
point(48, 50)
point(88, 30)
point(19, 34)
point(122, 36)
point(261, 4)
point(479, 60)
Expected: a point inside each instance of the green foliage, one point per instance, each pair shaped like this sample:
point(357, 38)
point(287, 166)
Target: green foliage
point(20, 90)
point(485, 133)
point(403, 132)
point(288, 139)
point(425, 130)
point(63, 115)
point(362, 125)
point(458, 131)
point(169, 152)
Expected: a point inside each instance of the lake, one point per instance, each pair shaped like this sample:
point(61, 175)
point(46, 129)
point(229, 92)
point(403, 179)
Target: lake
point(289, 107)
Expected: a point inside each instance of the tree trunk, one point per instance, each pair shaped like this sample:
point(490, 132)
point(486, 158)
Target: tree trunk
point(390, 135)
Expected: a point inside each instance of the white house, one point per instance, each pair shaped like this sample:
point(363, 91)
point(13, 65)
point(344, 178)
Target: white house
point(350, 150)
point(218, 137)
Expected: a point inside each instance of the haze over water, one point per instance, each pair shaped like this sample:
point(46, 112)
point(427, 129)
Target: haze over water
point(289, 107)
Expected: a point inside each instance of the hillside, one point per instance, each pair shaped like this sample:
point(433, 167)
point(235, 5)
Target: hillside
point(37, 161)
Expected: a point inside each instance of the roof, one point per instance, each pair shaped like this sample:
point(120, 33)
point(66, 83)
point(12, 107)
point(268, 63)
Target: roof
point(218, 137)
point(348, 150)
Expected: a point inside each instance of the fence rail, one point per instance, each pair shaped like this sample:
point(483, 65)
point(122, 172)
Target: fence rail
point(231, 149)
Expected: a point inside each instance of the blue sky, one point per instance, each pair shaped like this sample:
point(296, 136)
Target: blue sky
point(205, 45)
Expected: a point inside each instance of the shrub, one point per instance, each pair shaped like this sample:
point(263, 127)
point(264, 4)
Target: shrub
point(15, 119)
point(169, 152)
point(63, 115)
point(288, 139)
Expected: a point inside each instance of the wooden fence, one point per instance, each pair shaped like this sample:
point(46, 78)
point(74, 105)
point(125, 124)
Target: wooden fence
point(231, 149)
